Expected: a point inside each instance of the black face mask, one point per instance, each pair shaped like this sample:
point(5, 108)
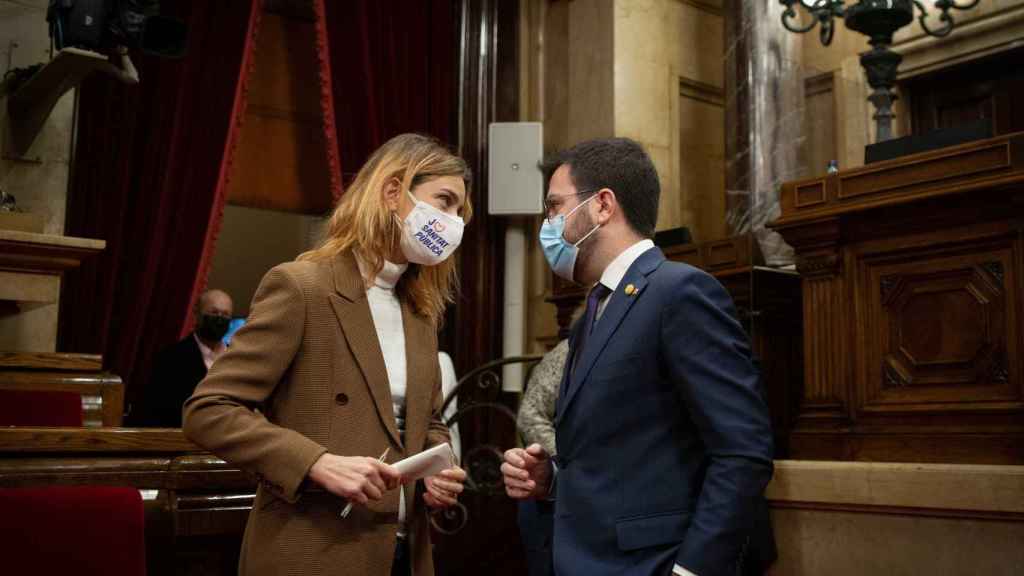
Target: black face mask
point(212, 327)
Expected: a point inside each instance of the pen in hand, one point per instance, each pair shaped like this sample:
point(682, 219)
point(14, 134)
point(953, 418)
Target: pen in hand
point(348, 507)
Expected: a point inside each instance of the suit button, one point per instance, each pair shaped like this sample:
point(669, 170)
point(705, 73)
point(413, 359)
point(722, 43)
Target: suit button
point(341, 399)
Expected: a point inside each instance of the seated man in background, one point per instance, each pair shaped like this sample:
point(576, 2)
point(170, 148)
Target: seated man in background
point(179, 367)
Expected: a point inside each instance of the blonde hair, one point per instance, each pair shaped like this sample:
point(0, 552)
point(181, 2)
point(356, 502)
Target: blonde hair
point(363, 223)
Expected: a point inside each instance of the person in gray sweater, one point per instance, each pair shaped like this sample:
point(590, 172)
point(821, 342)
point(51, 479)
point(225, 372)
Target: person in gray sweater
point(535, 423)
point(537, 410)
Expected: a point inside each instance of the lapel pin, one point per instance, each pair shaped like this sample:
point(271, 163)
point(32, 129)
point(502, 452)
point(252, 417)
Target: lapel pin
point(630, 290)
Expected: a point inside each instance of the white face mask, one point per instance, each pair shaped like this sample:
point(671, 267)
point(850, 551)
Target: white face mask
point(429, 236)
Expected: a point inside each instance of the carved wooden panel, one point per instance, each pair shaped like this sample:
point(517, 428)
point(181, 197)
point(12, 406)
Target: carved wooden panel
point(936, 329)
point(913, 297)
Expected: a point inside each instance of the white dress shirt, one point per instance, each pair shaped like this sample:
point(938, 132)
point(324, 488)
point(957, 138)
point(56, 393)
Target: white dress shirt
point(614, 272)
point(611, 278)
point(209, 354)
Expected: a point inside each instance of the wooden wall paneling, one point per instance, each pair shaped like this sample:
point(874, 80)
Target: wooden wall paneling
point(938, 326)
point(912, 308)
point(702, 156)
point(990, 89)
point(280, 163)
point(826, 325)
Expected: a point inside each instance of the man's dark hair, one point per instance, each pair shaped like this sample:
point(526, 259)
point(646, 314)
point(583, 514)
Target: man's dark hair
point(619, 164)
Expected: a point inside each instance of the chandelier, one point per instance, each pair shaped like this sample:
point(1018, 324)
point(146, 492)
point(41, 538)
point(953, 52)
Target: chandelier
point(878, 20)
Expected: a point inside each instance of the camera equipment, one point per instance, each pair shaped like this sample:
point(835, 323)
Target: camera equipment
point(101, 25)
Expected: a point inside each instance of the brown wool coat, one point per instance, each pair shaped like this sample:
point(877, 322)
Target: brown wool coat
point(309, 361)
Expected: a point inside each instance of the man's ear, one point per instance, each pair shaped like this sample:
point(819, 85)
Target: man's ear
point(607, 205)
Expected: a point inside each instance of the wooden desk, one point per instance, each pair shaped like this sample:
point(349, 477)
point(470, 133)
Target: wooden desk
point(913, 293)
point(102, 392)
point(196, 505)
point(768, 304)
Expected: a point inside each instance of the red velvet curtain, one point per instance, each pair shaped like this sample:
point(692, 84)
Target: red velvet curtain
point(393, 64)
point(149, 178)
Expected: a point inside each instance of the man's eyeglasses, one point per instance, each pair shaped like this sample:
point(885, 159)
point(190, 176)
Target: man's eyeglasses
point(553, 204)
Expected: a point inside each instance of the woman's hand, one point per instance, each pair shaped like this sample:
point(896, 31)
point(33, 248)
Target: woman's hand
point(356, 478)
point(443, 490)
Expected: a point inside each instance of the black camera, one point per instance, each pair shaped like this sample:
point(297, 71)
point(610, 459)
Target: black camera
point(101, 25)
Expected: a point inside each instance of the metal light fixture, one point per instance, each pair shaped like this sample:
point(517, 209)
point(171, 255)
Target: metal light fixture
point(878, 20)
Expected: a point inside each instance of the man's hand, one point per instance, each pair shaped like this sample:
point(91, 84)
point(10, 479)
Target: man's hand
point(443, 490)
point(357, 478)
point(527, 472)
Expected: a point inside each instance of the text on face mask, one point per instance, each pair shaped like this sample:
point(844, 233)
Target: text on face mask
point(429, 237)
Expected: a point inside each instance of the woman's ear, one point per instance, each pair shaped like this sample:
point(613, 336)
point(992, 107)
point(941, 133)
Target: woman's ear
point(392, 193)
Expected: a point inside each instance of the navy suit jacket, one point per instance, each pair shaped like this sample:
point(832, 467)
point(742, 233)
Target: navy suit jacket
point(664, 439)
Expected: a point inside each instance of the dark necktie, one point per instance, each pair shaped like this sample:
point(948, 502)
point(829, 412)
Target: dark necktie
point(597, 293)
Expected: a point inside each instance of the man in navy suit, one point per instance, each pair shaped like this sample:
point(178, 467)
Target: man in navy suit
point(178, 368)
point(663, 436)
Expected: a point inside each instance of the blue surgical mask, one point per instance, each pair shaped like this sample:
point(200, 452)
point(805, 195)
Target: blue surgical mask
point(560, 254)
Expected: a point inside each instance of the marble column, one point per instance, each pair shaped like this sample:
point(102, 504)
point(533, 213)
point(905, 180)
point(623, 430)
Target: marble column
point(764, 119)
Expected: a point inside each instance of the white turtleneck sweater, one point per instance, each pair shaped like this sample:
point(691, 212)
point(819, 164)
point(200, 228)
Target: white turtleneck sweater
point(387, 319)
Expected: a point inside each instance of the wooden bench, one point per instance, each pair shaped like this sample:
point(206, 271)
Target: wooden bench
point(195, 504)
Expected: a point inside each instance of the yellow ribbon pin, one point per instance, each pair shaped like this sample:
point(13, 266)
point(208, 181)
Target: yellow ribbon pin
point(630, 290)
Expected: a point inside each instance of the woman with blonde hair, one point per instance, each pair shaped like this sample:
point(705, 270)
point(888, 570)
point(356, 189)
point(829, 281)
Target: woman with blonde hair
point(336, 373)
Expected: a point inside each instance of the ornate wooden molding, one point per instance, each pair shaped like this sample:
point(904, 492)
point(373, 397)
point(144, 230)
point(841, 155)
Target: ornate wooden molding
point(828, 264)
point(994, 164)
point(816, 245)
point(826, 386)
